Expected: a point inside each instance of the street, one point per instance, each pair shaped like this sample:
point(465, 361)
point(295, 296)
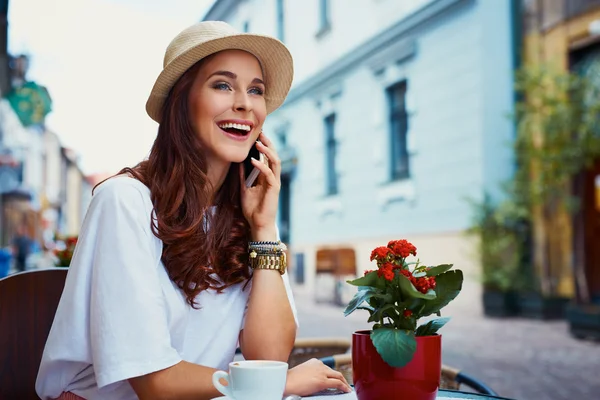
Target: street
point(519, 358)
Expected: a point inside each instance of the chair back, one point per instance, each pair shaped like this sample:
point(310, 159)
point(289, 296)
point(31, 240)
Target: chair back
point(28, 302)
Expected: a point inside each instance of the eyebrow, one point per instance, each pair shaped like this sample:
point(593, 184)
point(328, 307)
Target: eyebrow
point(231, 75)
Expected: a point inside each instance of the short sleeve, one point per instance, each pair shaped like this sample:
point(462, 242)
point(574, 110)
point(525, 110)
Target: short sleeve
point(128, 317)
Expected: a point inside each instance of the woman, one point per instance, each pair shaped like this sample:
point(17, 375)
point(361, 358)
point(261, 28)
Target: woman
point(160, 294)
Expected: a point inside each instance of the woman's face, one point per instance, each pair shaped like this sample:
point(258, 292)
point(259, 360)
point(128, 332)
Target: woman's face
point(227, 106)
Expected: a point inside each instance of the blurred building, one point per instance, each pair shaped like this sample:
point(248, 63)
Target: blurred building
point(41, 184)
point(397, 115)
point(4, 75)
point(565, 34)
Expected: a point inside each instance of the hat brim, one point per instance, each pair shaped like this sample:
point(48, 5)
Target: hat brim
point(274, 58)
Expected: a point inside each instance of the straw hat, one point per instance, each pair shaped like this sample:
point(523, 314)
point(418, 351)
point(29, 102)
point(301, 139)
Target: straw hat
point(209, 37)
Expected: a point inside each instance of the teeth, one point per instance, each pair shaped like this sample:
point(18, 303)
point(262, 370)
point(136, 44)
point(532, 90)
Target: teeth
point(241, 127)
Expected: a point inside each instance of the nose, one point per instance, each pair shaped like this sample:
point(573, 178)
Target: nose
point(242, 102)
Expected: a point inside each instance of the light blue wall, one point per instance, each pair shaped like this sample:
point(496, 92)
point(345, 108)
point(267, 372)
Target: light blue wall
point(459, 92)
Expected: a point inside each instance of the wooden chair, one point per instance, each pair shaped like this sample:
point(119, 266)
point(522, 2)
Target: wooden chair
point(451, 378)
point(28, 302)
point(307, 348)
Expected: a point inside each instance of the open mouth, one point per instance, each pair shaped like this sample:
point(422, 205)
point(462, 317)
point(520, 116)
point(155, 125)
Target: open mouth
point(235, 129)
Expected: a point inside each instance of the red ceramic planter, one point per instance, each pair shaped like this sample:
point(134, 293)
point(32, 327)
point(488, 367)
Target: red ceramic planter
point(374, 379)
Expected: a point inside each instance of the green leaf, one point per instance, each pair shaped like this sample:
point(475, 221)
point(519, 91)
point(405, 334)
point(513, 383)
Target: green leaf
point(387, 310)
point(368, 308)
point(409, 289)
point(440, 269)
point(431, 327)
point(395, 346)
point(359, 297)
point(371, 279)
point(448, 286)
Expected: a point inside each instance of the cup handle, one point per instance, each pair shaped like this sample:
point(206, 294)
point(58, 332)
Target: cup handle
point(221, 388)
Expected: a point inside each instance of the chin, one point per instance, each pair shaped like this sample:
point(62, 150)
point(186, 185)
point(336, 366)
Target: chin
point(235, 156)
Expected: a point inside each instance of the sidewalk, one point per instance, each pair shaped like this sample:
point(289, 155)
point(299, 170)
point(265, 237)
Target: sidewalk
point(519, 358)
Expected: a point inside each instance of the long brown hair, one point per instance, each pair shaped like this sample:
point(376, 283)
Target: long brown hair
point(176, 174)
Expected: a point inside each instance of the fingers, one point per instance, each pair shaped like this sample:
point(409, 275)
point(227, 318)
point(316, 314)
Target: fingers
point(267, 172)
point(266, 147)
point(337, 375)
point(333, 383)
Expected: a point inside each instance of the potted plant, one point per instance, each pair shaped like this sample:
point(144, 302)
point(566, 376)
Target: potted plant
point(502, 233)
point(398, 355)
point(64, 255)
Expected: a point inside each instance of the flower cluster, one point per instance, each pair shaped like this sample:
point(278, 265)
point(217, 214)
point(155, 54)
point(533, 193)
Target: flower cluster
point(64, 255)
point(423, 283)
point(398, 293)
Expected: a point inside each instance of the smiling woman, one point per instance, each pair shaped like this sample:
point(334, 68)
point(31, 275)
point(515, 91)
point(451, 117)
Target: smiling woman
point(178, 261)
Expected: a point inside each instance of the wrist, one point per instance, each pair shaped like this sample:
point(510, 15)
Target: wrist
point(289, 388)
point(265, 234)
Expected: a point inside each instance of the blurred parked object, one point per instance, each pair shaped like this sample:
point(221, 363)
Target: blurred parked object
point(334, 266)
point(5, 261)
point(28, 302)
point(22, 248)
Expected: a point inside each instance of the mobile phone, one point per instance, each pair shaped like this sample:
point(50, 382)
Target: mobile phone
point(250, 171)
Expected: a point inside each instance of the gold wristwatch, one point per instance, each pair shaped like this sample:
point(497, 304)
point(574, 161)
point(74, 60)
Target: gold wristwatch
point(271, 261)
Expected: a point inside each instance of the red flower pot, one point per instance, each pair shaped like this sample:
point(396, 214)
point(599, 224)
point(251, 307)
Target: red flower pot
point(374, 379)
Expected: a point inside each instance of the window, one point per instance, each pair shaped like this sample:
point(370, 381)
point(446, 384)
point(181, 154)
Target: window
point(324, 22)
point(280, 20)
point(396, 95)
point(330, 155)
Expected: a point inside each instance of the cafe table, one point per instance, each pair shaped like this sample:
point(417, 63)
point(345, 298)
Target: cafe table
point(442, 395)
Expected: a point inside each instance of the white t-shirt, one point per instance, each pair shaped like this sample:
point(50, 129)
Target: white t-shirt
point(121, 316)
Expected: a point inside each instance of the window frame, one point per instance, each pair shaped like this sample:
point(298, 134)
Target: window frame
point(399, 167)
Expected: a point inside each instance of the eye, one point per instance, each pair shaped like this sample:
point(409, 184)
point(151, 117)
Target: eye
point(257, 91)
point(221, 86)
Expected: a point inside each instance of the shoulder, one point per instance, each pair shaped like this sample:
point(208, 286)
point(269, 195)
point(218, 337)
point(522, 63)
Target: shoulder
point(122, 189)
point(124, 197)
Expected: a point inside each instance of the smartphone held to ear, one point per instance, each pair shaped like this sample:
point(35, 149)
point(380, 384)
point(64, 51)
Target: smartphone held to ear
point(250, 170)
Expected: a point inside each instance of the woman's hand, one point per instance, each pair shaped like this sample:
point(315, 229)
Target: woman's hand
point(313, 376)
point(259, 203)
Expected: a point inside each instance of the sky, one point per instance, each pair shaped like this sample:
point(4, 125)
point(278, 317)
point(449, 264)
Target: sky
point(99, 60)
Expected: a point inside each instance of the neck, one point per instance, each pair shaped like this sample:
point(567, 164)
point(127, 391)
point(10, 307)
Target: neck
point(217, 174)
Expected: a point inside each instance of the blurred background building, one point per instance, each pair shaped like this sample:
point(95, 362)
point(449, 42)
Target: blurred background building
point(41, 186)
point(400, 118)
point(565, 35)
point(397, 115)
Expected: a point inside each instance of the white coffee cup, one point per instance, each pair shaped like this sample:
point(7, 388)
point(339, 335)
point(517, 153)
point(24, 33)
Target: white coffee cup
point(253, 380)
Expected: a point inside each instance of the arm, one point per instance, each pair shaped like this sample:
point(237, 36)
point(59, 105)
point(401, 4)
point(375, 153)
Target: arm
point(270, 328)
point(183, 381)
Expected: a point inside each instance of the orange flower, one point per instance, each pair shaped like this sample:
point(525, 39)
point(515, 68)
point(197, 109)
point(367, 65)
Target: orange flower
point(386, 271)
point(402, 248)
point(380, 253)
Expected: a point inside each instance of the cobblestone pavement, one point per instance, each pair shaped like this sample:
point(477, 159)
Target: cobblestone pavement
point(519, 358)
